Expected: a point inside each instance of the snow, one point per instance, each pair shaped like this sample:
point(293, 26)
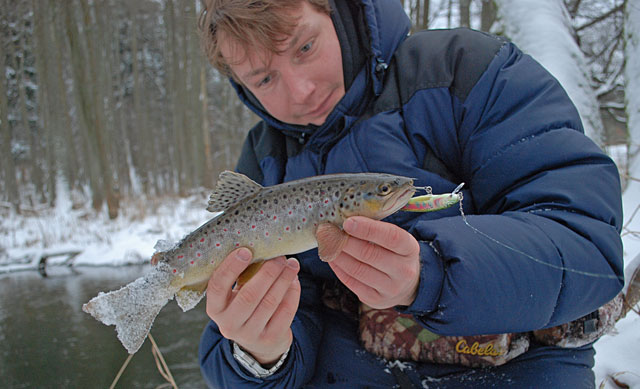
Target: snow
point(541, 29)
point(129, 239)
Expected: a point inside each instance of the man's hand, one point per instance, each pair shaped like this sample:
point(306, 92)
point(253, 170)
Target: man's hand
point(378, 261)
point(257, 316)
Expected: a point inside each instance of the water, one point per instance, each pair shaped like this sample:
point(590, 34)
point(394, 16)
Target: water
point(46, 341)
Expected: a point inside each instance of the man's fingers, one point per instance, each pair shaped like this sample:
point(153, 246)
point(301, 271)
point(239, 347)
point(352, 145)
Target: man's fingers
point(362, 271)
point(275, 295)
point(365, 293)
point(386, 235)
point(286, 311)
point(224, 277)
point(249, 296)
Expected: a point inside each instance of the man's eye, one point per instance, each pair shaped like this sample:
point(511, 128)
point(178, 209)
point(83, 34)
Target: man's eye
point(265, 81)
point(306, 48)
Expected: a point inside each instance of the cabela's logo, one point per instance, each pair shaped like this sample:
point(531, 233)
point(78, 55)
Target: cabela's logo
point(482, 351)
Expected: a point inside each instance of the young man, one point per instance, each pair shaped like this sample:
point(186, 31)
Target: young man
point(341, 87)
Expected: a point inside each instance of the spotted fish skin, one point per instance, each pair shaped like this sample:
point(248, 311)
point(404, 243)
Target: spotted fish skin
point(269, 221)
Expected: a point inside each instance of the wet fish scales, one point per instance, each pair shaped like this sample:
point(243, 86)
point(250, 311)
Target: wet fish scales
point(270, 221)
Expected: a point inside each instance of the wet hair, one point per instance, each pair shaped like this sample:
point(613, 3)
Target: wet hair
point(248, 23)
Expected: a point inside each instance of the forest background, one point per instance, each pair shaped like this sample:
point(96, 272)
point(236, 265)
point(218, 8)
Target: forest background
point(113, 100)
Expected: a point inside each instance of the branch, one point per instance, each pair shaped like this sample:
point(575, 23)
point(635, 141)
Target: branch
point(601, 17)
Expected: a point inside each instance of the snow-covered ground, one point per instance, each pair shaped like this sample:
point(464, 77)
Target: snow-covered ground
point(131, 237)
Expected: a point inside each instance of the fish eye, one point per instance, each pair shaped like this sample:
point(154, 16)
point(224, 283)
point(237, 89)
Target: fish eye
point(384, 189)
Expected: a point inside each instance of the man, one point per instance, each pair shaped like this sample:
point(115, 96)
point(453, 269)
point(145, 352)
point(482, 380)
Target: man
point(342, 88)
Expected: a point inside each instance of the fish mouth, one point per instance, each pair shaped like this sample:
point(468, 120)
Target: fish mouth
point(398, 201)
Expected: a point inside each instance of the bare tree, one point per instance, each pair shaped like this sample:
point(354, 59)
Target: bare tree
point(542, 29)
point(632, 84)
point(9, 173)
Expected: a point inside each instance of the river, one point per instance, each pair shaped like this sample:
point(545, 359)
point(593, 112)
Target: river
point(47, 341)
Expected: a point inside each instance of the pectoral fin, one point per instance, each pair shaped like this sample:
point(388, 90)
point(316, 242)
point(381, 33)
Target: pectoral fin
point(248, 273)
point(331, 241)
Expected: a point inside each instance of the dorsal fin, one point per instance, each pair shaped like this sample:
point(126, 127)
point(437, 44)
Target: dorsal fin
point(230, 190)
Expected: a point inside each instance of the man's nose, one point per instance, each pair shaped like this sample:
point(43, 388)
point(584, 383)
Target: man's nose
point(300, 86)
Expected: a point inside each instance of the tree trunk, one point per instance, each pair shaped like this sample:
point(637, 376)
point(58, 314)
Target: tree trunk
point(632, 86)
point(98, 114)
point(6, 155)
point(487, 15)
point(542, 28)
point(35, 150)
point(465, 14)
point(425, 14)
point(84, 100)
point(45, 92)
point(68, 151)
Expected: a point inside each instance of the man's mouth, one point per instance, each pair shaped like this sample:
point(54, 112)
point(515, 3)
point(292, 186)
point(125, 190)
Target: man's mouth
point(323, 109)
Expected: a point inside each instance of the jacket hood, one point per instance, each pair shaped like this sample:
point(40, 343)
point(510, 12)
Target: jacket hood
point(387, 25)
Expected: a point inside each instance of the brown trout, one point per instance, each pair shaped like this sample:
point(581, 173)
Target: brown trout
point(270, 221)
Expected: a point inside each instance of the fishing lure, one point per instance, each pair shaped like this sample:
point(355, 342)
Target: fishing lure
point(431, 202)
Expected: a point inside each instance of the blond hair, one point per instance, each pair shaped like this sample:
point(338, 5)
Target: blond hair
point(248, 23)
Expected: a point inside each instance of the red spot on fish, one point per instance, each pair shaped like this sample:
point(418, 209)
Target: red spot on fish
point(217, 244)
point(261, 212)
point(175, 271)
point(310, 206)
point(253, 227)
point(190, 245)
point(326, 201)
point(237, 244)
point(239, 232)
point(304, 219)
point(279, 238)
point(213, 230)
point(290, 212)
point(266, 234)
point(287, 228)
point(180, 256)
point(192, 261)
point(321, 215)
point(225, 230)
point(275, 217)
point(197, 255)
point(202, 240)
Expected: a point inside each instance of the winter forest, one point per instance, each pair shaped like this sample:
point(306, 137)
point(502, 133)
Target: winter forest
point(110, 115)
point(114, 100)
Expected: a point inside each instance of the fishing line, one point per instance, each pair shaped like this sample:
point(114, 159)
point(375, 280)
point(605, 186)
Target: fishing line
point(532, 258)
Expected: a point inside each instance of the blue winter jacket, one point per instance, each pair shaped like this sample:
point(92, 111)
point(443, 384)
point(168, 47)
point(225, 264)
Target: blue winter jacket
point(542, 244)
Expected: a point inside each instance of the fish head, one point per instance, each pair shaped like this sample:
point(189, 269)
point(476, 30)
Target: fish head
point(377, 196)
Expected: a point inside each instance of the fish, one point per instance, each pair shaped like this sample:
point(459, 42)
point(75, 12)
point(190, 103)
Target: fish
point(270, 221)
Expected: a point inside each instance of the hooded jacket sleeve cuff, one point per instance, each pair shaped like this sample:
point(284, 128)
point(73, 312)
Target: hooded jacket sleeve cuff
point(431, 281)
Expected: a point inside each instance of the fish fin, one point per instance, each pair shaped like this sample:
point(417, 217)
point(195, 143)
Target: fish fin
point(231, 189)
point(632, 288)
point(249, 272)
point(189, 296)
point(134, 307)
point(331, 241)
point(156, 258)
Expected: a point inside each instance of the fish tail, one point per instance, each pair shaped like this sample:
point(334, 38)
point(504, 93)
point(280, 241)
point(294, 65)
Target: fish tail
point(133, 308)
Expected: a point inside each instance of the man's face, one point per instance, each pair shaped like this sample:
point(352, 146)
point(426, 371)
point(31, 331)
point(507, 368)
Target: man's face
point(302, 84)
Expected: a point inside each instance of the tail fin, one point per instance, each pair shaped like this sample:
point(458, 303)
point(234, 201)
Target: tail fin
point(134, 307)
